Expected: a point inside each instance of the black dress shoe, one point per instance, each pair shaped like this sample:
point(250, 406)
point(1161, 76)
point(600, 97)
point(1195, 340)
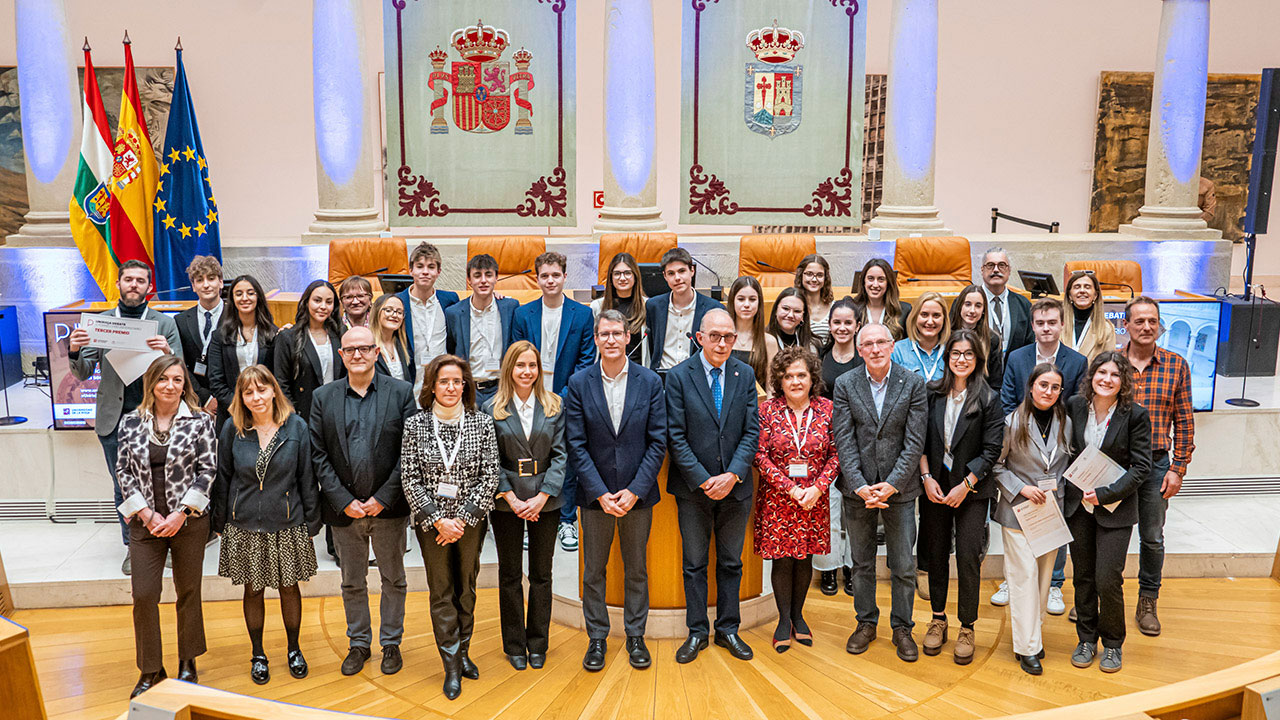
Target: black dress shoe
point(637, 653)
point(735, 645)
point(452, 675)
point(258, 670)
point(593, 661)
point(391, 660)
point(355, 659)
point(147, 681)
point(187, 671)
point(688, 652)
point(537, 660)
point(1030, 664)
point(468, 668)
point(518, 662)
point(827, 583)
point(848, 581)
point(297, 664)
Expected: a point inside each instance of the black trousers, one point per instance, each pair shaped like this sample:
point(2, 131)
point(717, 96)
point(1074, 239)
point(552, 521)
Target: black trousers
point(937, 522)
point(451, 579)
point(521, 633)
point(148, 553)
point(701, 517)
point(1097, 556)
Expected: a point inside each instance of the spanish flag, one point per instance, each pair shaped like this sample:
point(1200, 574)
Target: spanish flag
point(91, 203)
point(134, 175)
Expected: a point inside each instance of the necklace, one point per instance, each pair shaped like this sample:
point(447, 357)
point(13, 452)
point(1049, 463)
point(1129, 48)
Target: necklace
point(160, 437)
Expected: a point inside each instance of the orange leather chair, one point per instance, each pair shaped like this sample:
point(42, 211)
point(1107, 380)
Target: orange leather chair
point(782, 252)
point(1113, 274)
point(514, 253)
point(941, 264)
point(367, 256)
point(644, 247)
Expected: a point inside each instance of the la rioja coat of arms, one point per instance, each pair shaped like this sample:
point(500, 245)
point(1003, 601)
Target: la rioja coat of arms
point(483, 84)
point(773, 82)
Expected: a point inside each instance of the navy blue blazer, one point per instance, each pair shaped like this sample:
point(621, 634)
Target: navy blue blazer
point(1022, 361)
point(606, 461)
point(576, 348)
point(704, 443)
point(457, 320)
point(446, 298)
point(655, 319)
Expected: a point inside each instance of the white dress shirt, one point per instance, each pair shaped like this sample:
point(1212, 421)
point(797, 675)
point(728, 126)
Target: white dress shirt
point(429, 334)
point(213, 318)
point(550, 342)
point(325, 355)
point(394, 364)
point(675, 344)
point(615, 395)
point(486, 341)
point(1095, 432)
point(247, 351)
point(1004, 313)
point(955, 404)
point(524, 409)
point(1051, 358)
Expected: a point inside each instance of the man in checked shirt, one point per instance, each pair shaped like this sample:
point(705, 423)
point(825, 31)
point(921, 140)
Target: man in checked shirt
point(1161, 384)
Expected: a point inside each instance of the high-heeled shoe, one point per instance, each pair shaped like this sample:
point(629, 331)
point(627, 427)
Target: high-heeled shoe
point(783, 645)
point(801, 633)
point(146, 682)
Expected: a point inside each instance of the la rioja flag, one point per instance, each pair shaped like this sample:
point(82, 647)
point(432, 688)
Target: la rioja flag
point(91, 201)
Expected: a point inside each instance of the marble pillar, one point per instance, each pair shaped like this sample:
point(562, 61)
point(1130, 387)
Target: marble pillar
point(1177, 126)
point(344, 107)
point(630, 172)
point(49, 93)
point(911, 115)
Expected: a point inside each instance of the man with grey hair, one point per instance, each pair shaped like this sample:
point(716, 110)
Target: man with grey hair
point(1008, 313)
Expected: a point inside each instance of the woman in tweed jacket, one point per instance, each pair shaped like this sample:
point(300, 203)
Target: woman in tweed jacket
point(449, 469)
point(166, 468)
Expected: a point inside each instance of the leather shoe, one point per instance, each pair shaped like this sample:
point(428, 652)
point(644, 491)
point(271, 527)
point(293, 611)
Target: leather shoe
point(906, 645)
point(518, 662)
point(688, 652)
point(469, 669)
point(593, 661)
point(537, 660)
point(146, 682)
point(827, 584)
point(187, 671)
point(452, 675)
point(391, 660)
point(1030, 664)
point(259, 671)
point(848, 581)
point(736, 646)
point(861, 638)
point(297, 664)
point(354, 661)
point(637, 653)
point(1072, 615)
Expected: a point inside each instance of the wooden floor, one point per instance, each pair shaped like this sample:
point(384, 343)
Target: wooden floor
point(85, 659)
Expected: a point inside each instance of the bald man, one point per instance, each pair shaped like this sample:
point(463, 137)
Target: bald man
point(712, 431)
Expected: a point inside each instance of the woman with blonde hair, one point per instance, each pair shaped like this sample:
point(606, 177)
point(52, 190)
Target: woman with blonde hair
point(387, 324)
point(928, 328)
point(267, 507)
point(1086, 329)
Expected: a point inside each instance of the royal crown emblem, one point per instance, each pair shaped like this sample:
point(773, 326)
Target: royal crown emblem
point(483, 84)
point(772, 103)
point(126, 167)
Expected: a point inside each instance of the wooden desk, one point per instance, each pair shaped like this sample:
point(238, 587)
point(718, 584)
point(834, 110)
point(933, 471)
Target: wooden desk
point(282, 310)
point(19, 686)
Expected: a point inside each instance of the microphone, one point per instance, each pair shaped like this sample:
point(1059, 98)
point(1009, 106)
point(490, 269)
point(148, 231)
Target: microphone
point(773, 267)
point(173, 290)
point(717, 290)
point(1132, 292)
point(526, 271)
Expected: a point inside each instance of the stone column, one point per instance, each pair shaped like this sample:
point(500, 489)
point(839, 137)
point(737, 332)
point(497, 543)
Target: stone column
point(344, 122)
point(1177, 126)
point(49, 92)
point(911, 114)
point(630, 173)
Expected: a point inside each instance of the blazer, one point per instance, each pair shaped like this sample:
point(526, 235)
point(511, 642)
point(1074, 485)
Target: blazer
point(1128, 442)
point(1020, 332)
point(1020, 363)
point(110, 401)
point(457, 321)
point(405, 357)
point(189, 462)
point(975, 441)
point(188, 322)
point(1015, 470)
point(224, 369)
point(329, 448)
point(301, 377)
point(904, 308)
point(703, 443)
point(575, 347)
point(879, 449)
point(1095, 340)
point(655, 320)
point(605, 460)
point(544, 447)
point(446, 298)
point(995, 363)
point(286, 496)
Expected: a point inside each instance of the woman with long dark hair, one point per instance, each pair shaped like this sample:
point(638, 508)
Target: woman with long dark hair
point(813, 279)
point(746, 303)
point(623, 292)
point(788, 326)
point(840, 357)
point(307, 354)
point(969, 312)
point(877, 295)
point(244, 337)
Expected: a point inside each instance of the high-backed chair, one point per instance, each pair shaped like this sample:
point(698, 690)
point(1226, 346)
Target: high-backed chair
point(515, 254)
point(1116, 276)
point(772, 259)
point(644, 247)
point(941, 264)
point(367, 256)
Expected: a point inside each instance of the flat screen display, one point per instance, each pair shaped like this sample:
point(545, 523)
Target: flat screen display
point(73, 399)
point(1190, 330)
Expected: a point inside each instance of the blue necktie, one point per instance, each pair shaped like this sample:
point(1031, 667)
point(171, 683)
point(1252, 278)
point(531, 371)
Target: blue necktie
point(717, 395)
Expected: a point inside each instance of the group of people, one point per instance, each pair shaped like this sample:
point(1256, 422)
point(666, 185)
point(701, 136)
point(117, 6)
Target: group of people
point(366, 417)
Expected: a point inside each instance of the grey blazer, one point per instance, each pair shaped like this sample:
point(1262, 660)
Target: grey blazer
point(880, 449)
point(111, 389)
point(544, 446)
point(1016, 470)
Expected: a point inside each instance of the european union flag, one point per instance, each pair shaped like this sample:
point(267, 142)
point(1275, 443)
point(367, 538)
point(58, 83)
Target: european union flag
point(186, 215)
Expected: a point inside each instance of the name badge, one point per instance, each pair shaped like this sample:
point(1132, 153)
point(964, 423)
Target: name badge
point(1047, 484)
point(200, 369)
point(947, 459)
point(798, 470)
point(448, 491)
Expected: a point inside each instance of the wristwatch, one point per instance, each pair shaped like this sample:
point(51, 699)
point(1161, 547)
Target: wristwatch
point(927, 475)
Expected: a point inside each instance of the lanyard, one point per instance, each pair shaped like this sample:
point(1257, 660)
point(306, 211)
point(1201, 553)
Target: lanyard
point(928, 376)
point(425, 350)
point(449, 459)
point(1084, 332)
point(796, 437)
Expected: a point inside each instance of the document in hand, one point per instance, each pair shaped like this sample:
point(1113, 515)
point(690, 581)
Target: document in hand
point(1093, 469)
point(1042, 525)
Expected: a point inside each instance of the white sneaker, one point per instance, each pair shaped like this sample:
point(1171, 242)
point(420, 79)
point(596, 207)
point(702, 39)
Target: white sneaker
point(1055, 606)
point(568, 537)
point(1001, 596)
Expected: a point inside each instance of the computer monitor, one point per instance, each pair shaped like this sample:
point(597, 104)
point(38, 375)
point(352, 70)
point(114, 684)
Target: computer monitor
point(1037, 283)
point(651, 279)
point(393, 283)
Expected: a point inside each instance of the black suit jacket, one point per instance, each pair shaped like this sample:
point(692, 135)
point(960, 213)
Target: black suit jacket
point(702, 443)
point(1020, 332)
point(193, 349)
point(224, 369)
point(299, 377)
point(286, 496)
point(976, 441)
point(545, 446)
point(329, 448)
point(655, 320)
point(607, 460)
point(1128, 442)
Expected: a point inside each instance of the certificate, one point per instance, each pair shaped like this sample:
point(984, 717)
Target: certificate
point(1043, 525)
point(118, 333)
point(1092, 470)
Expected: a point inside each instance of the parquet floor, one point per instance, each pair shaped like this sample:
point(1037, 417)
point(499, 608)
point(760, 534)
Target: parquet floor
point(85, 659)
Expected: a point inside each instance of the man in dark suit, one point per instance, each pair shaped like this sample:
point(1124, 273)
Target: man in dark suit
point(197, 323)
point(356, 427)
point(1046, 321)
point(1008, 312)
point(479, 330)
point(879, 423)
point(713, 428)
point(424, 308)
point(671, 318)
point(616, 430)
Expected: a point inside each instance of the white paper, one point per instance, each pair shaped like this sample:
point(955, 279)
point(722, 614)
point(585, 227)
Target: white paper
point(130, 365)
point(1043, 525)
point(118, 333)
point(1092, 470)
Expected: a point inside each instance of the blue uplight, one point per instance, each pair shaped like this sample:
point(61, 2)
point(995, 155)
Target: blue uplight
point(1182, 94)
point(629, 93)
point(914, 86)
point(44, 87)
point(337, 88)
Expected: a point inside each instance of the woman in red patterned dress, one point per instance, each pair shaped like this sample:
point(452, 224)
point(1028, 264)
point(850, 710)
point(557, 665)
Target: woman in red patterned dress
point(797, 462)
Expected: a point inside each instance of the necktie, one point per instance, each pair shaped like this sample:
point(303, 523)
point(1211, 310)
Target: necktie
point(997, 316)
point(208, 323)
point(717, 395)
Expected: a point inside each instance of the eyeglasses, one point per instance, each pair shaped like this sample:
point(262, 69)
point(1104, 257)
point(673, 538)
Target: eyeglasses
point(813, 276)
point(1001, 266)
point(962, 355)
point(356, 296)
point(622, 274)
point(389, 312)
point(612, 334)
point(875, 343)
point(359, 350)
point(717, 338)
